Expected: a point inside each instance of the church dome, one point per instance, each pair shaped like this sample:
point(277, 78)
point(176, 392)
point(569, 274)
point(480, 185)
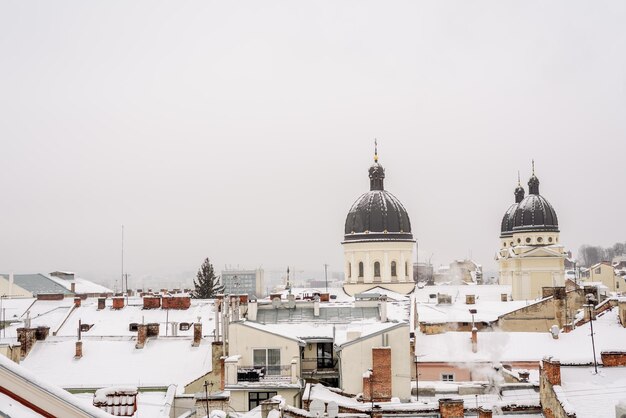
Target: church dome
point(534, 213)
point(377, 215)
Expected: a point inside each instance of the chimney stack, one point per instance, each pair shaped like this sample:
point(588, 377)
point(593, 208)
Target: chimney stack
point(451, 408)
point(73, 287)
point(551, 370)
point(26, 337)
point(101, 303)
point(142, 334)
point(118, 302)
point(252, 310)
point(316, 308)
point(474, 340)
point(382, 308)
point(470, 299)
point(485, 412)
point(77, 302)
point(79, 350)
point(197, 334)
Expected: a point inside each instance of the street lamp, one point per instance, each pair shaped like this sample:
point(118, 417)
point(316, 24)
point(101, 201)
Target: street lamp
point(590, 306)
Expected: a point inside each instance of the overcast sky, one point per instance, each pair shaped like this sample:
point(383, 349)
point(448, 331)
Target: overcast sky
point(243, 131)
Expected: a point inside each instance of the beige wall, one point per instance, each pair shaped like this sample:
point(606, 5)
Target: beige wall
point(243, 339)
point(605, 274)
point(527, 273)
point(12, 290)
point(357, 358)
point(239, 398)
point(382, 252)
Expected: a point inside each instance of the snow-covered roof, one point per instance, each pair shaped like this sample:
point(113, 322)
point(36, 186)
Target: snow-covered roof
point(149, 404)
point(116, 362)
point(81, 285)
point(487, 303)
point(592, 395)
point(13, 408)
point(304, 332)
point(498, 346)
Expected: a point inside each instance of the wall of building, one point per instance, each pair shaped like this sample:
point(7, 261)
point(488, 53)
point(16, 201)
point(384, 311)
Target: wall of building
point(243, 339)
point(383, 252)
point(239, 398)
point(12, 290)
point(605, 274)
point(356, 359)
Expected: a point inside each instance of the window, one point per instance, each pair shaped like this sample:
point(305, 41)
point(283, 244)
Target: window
point(393, 269)
point(539, 239)
point(324, 355)
point(550, 239)
point(349, 269)
point(528, 240)
point(377, 269)
point(598, 270)
point(447, 377)
point(255, 398)
point(268, 359)
point(361, 269)
point(406, 269)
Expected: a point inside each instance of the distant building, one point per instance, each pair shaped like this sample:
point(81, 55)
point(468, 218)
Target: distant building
point(250, 282)
point(604, 273)
point(530, 255)
point(422, 272)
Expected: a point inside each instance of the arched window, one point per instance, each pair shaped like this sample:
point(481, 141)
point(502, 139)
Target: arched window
point(393, 269)
point(377, 269)
point(349, 269)
point(361, 269)
point(406, 269)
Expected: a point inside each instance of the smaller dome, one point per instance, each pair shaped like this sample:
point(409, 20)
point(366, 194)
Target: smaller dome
point(506, 226)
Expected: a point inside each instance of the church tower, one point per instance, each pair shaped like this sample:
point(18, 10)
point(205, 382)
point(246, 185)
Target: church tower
point(378, 243)
point(530, 255)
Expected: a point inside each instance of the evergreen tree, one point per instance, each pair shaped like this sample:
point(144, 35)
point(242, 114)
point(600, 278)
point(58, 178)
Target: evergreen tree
point(207, 284)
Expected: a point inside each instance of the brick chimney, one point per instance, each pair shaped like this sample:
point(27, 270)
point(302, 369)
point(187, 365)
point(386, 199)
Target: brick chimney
point(470, 299)
point(451, 408)
point(101, 303)
point(153, 329)
point(613, 358)
point(504, 297)
point(118, 302)
point(151, 302)
point(77, 301)
point(197, 334)
point(377, 383)
point(142, 335)
point(485, 412)
point(551, 369)
point(73, 287)
point(474, 340)
point(41, 333)
point(79, 350)
point(26, 337)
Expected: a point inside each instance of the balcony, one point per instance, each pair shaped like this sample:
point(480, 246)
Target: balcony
point(320, 367)
point(278, 373)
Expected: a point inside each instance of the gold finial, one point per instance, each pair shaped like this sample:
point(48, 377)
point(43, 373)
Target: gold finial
point(375, 150)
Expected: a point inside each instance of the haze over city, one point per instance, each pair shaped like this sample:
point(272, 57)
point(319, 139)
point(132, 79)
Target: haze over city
point(243, 131)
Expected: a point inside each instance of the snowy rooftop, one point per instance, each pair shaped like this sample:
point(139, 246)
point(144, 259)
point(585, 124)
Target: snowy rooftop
point(592, 395)
point(497, 346)
point(487, 303)
point(116, 362)
point(81, 285)
point(312, 331)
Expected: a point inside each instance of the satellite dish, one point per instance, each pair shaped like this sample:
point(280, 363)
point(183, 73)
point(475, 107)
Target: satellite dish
point(317, 407)
point(332, 409)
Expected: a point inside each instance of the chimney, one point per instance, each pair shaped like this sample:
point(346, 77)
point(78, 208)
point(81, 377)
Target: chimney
point(252, 310)
point(377, 383)
point(118, 302)
point(613, 358)
point(77, 301)
point(41, 333)
point(243, 299)
point(551, 370)
point(485, 412)
point(26, 337)
point(101, 303)
point(316, 308)
point(474, 340)
point(79, 350)
point(153, 329)
point(267, 406)
point(73, 287)
point(174, 326)
point(382, 308)
point(151, 302)
point(504, 297)
point(470, 299)
point(142, 334)
point(451, 408)
point(197, 334)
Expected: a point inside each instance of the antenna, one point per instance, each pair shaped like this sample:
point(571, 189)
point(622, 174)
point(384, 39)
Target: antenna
point(122, 255)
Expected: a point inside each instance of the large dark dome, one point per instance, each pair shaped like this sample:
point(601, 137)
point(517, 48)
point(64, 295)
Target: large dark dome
point(534, 213)
point(377, 215)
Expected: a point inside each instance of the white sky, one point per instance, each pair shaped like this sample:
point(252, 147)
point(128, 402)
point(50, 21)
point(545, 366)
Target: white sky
point(243, 131)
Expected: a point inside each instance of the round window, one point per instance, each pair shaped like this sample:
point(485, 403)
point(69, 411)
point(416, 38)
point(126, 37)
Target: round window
point(504, 244)
point(550, 239)
point(519, 240)
point(528, 240)
point(539, 239)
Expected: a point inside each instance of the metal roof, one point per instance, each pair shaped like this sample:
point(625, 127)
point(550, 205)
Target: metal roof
point(38, 284)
